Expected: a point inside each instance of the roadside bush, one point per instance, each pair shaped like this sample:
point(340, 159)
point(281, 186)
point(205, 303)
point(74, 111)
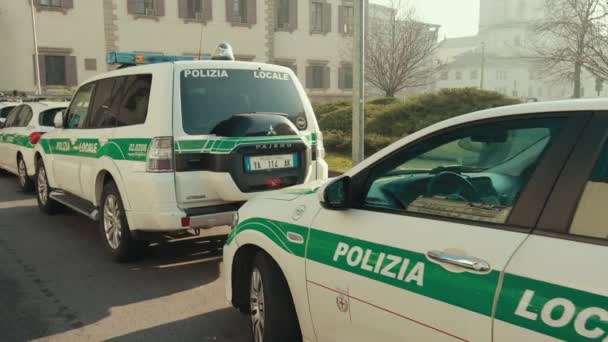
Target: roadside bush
point(384, 101)
point(341, 142)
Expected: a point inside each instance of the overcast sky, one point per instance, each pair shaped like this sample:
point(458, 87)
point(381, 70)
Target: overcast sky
point(457, 17)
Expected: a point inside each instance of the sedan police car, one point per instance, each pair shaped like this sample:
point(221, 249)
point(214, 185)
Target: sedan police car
point(486, 227)
point(24, 126)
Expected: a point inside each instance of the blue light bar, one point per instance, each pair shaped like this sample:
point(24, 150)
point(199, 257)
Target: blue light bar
point(131, 58)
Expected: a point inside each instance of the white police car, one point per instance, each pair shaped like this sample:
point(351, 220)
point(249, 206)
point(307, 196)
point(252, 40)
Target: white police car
point(24, 126)
point(486, 227)
point(167, 147)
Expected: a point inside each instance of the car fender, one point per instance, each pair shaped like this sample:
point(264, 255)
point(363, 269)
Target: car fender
point(47, 160)
point(108, 165)
point(271, 235)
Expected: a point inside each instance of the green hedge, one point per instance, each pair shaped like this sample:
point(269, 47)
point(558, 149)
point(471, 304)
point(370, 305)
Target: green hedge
point(388, 119)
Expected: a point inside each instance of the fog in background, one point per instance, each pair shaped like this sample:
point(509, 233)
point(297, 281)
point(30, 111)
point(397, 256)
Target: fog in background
point(457, 17)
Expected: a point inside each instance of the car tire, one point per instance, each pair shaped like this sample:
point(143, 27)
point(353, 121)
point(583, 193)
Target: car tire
point(114, 228)
point(271, 306)
point(46, 204)
point(26, 183)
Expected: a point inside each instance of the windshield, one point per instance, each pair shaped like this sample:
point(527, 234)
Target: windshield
point(210, 96)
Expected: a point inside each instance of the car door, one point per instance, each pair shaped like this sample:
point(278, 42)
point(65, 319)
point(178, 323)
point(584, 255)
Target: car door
point(11, 136)
point(418, 257)
point(6, 144)
point(67, 147)
point(555, 287)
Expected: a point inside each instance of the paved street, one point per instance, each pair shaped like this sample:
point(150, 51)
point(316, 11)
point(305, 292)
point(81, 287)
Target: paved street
point(57, 285)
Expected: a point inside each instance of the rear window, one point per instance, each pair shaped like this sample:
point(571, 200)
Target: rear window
point(47, 118)
point(4, 111)
point(211, 96)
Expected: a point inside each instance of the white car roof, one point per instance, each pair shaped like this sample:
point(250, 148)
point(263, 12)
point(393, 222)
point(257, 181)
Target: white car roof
point(7, 104)
point(44, 105)
point(579, 105)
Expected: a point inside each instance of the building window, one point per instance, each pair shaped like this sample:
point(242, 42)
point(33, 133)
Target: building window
point(55, 71)
point(345, 74)
point(474, 74)
point(144, 7)
point(50, 3)
point(239, 11)
point(445, 75)
point(195, 9)
point(283, 14)
point(458, 75)
point(317, 76)
point(347, 19)
point(316, 17)
point(291, 64)
point(501, 75)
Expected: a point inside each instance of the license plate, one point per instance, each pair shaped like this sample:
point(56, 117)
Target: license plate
point(277, 161)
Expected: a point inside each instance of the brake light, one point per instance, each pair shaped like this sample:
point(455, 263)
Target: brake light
point(160, 155)
point(35, 137)
point(273, 182)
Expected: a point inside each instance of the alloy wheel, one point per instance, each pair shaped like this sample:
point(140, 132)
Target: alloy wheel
point(257, 305)
point(43, 188)
point(111, 221)
point(22, 172)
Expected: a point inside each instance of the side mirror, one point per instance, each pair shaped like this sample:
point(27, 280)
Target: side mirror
point(336, 195)
point(58, 121)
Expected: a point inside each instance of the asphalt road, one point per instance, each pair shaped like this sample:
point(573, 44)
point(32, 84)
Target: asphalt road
point(56, 284)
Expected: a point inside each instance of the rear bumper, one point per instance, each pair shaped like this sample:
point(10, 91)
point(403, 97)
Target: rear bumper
point(176, 219)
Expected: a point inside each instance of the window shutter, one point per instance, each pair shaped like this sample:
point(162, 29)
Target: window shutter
point(131, 6)
point(341, 21)
point(182, 8)
point(252, 15)
point(159, 7)
point(229, 11)
point(207, 10)
point(293, 14)
point(42, 69)
point(70, 71)
point(326, 18)
point(326, 77)
point(67, 4)
point(308, 76)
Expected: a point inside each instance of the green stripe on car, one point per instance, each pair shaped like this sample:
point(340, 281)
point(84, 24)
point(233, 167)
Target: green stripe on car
point(568, 314)
point(15, 139)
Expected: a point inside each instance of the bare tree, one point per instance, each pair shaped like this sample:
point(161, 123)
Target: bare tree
point(399, 50)
point(565, 37)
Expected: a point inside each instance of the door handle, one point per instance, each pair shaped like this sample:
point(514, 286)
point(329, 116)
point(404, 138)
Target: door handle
point(466, 262)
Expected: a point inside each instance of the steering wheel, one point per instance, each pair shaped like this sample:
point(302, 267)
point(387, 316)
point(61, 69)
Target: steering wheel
point(452, 183)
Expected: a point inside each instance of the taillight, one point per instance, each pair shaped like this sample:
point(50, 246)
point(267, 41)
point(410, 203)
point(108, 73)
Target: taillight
point(35, 137)
point(160, 155)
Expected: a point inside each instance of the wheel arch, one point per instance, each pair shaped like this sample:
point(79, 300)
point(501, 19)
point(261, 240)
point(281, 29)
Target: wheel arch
point(108, 174)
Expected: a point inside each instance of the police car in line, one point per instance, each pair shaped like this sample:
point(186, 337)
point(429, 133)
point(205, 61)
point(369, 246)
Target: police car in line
point(486, 227)
point(21, 131)
point(5, 108)
point(177, 146)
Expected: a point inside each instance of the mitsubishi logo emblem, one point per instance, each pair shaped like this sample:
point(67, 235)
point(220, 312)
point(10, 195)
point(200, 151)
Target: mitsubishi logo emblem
point(271, 131)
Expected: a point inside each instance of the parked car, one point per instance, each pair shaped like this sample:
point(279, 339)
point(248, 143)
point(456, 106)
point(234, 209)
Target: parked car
point(24, 126)
point(153, 149)
point(486, 227)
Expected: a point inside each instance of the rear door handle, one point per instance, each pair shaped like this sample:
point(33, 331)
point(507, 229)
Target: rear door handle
point(466, 262)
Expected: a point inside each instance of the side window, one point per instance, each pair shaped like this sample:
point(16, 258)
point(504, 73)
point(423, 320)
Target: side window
point(25, 116)
point(13, 117)
point(102, 114)
point(47, 118)
point(133, 107)
point(473, 173)
point(591, 216)
point(79, 108)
